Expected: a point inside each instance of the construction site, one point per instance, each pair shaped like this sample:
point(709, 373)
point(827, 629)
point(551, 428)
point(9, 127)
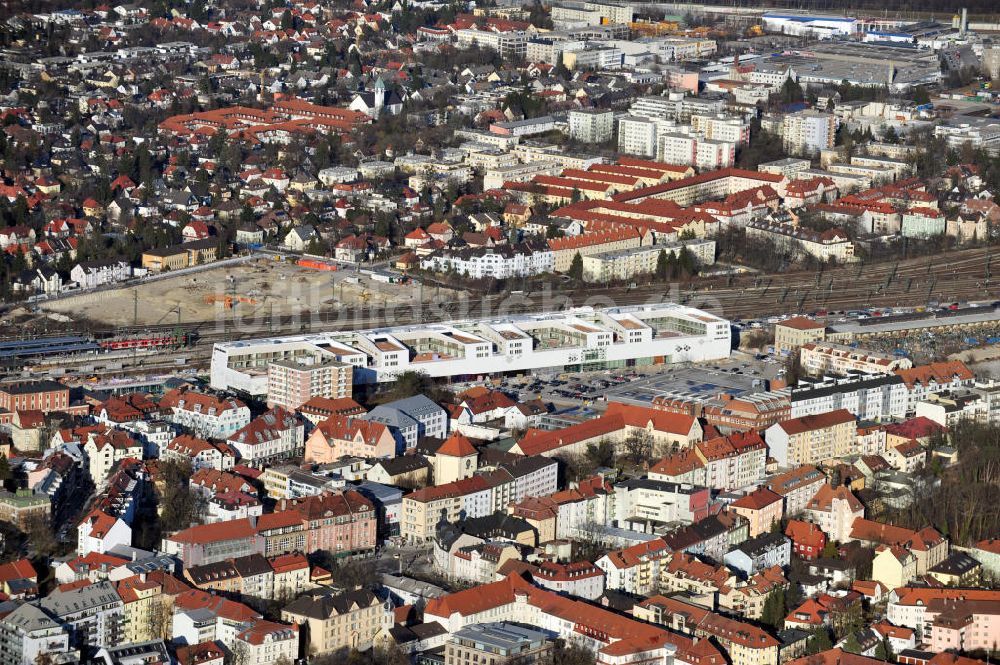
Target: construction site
point(260, 288)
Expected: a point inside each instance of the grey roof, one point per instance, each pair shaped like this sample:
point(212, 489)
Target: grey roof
point(866, 382)
point(496, 525)
point(958, 563)
point(416, 406)
point(403, 464)
point(136, 652)
point(252, 565)
point(326, 605)
point(525, 466)
point(658, 486)
point(507, 638)
point(68, 603)
point(383, 494)
point(30, 618)
point(761, 544)
point(390, 417)
point(412, 586)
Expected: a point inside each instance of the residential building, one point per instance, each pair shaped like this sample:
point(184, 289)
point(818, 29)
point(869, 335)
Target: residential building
point(100, 532)
point(834, 510)
point(340, 436)
point(579, 578)
point(28, 634)
point(94, 614)
point(762, 508)
point(44, 396)
point(274, 435)
point(744, 643)
point(349, 620)
point(893, 566)
point(20, 508)
point(636, 569)
point(807, 539)
point(205, 415)
point(825, 358)
point(812, 439)
point(830, 246)
point(266, 642)
point(92, 274)
point(805, 133)
point(410, 419)
point(793, 333)
point(184, 255)
point(760, 553)
point(292, 383)
point(928, 545)
point(870, 398)
point(614, 638)
point(798, 486)
point(523, 259)
point(734, 461)
point(591, 125)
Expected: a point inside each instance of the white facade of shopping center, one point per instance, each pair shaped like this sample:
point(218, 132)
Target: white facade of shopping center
point(581, 337)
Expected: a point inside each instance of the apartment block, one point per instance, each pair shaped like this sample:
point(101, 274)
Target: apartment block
point(292, 383)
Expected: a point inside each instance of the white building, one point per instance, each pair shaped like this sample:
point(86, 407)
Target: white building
point(499, 262)
point(266, 642)
point(100, 532)
point(809, 25)
point(830, 245)
point(591, 125)
point(511, 44)
point(581, 579)
point(623, 264)
point(637, 136)
point(91, 274)
point(820, 358)
point(207, 416)
point(29, 635)
point(693, 149)
point(581, 337)
point(334, 175)
point(868, 397)
point(807, 132)
point(273, 435)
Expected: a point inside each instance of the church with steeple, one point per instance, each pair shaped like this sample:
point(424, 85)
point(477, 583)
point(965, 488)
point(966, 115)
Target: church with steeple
point(377, 101)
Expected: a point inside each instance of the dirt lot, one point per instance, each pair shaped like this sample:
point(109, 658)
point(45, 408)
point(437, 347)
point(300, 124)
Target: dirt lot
point(257, 288)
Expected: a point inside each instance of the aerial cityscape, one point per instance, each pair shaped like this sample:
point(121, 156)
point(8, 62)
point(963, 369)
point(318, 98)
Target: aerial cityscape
point(432, 332)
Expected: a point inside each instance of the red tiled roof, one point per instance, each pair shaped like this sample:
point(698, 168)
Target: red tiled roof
point(940, 372)
point(805, 533)
point(758, 499)
point(800, 323)
point(456, 445)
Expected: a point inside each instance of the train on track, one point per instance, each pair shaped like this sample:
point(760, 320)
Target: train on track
point(15, 352)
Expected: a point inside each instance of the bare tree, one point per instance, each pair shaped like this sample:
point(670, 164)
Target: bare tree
point(637, 447)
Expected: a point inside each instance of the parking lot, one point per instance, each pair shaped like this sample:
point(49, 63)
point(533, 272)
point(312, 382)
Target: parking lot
point(693, 382)
point(639, 385)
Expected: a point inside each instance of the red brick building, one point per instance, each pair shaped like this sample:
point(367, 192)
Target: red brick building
point(44, 396)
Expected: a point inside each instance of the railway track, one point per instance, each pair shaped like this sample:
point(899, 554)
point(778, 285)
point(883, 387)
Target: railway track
point(964, 275)
point(961, 275)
